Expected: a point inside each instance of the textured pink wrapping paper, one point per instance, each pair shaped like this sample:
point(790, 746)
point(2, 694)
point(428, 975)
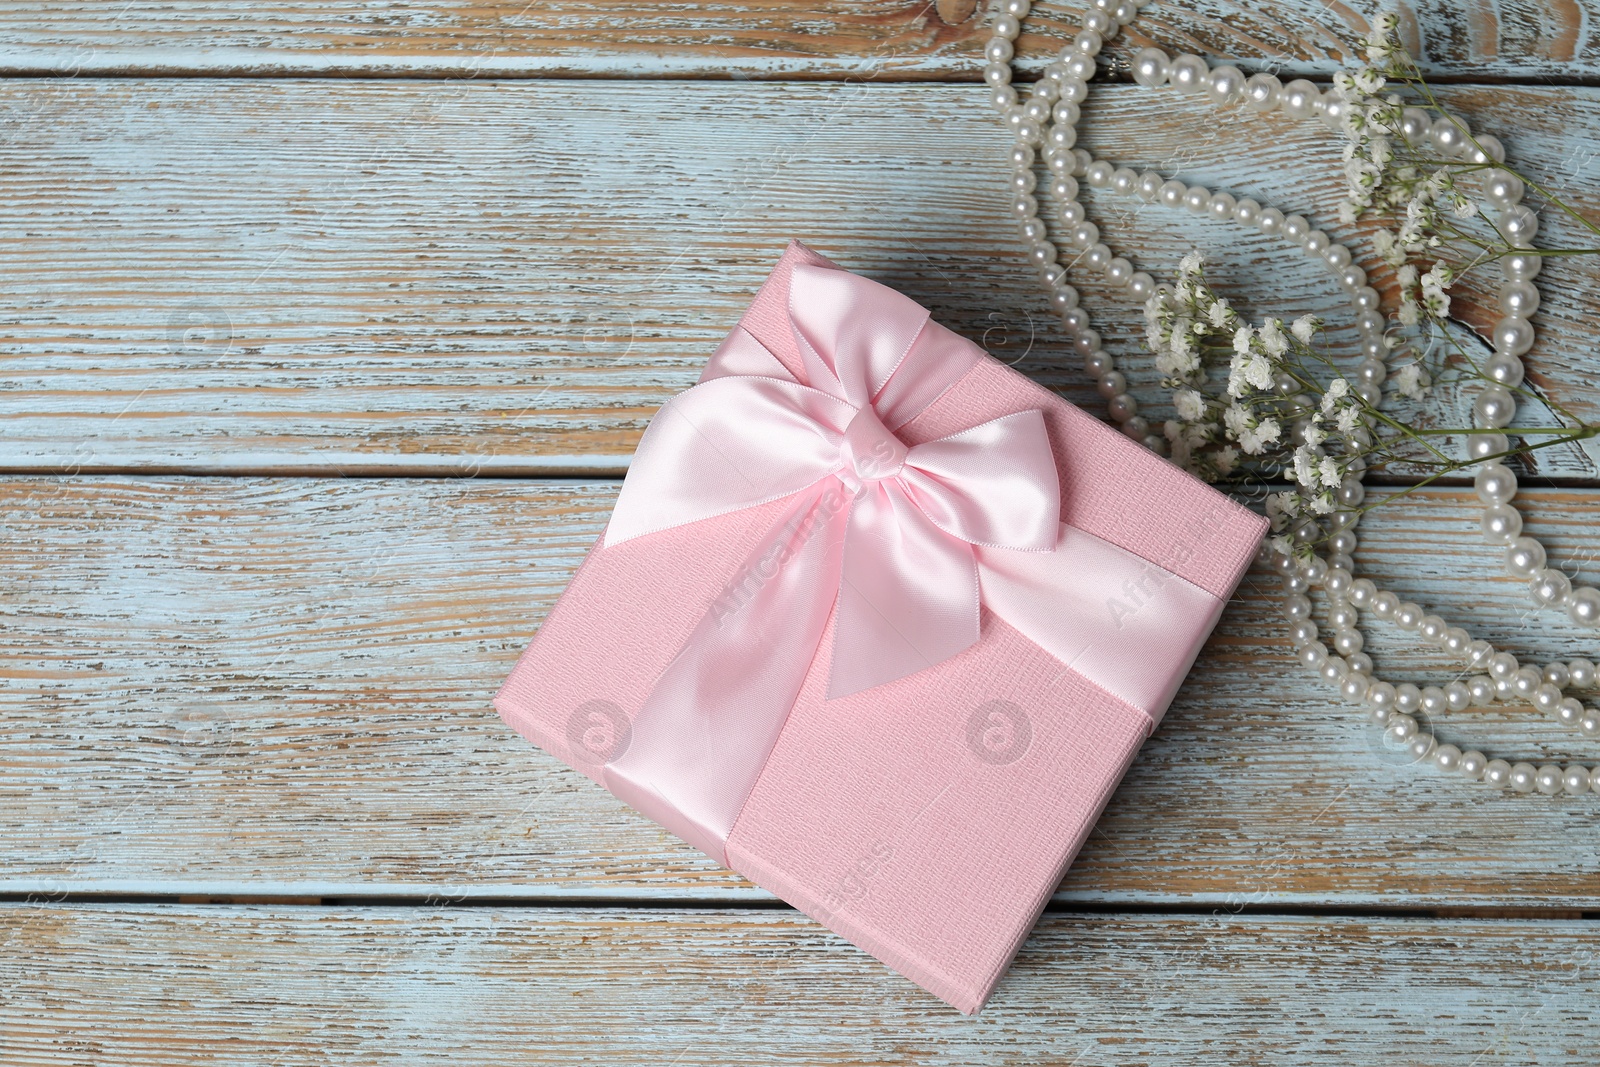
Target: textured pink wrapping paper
point(927, 820)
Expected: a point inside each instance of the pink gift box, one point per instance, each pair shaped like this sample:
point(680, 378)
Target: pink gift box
point(927, 819)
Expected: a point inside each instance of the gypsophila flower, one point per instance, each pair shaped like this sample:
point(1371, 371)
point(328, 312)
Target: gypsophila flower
point(1254, 440)
point(1305, 328)
point(1190, 405)
point(1412, 381)
point(1272, 338)
point(1190, 263)
point(1330, 396)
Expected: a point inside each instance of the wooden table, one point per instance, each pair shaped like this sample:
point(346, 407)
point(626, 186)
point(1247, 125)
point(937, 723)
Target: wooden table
point(329, 328)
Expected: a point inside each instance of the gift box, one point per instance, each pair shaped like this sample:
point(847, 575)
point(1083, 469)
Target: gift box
point(879, 624)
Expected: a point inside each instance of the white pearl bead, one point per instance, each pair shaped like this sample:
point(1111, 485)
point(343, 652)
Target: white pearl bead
point(1402, 728)
point(1360, 663)
point(1385, 604)
point(1407, 697)
point(1221, 206)
point(1099, 174)
point(1414, 125)
point(1527, 680)
point(1525, 557)
point(1582, 672)
point(1497, 773)
point(1141, 286)
point(1521, 267)
point(1362, 592)
point(1557, 674)
point(1447, 136)
point(1226, 84)
point(1583, 606)
point(1261, 92)
point(1270, 222)
point(1197, 199)
point(1494, 407)
point(1502, 189)
point(1550, 588)
point(997, 74)
point(1353, 687)
point(1189, 74)
point(1495, 483)
point(1088, 42)
point(1457, 696)
point(1172, 193)
point(1547, 697)
point(1519, 298)
point(1589, 725)
point(1479, 653)
point(1522, 777)
point(1575, 780)
point(1422, 747)
point(1125, 181)
point(1505, 370)
point(1299, 99)
point(1547, 779)
point(1488, 150)
point(1513, 335)
point(1519, 224)
point(1119, 271)
point(1433, 701)
point(1150, 67)
point(1501, 523)
point(1473, 764)
point(1007, 26)
point(1246, 212)
point(1503, 665)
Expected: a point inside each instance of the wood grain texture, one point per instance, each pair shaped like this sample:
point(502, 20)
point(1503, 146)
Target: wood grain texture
point(454, 277)
point(281, 687)
point(871, 40)
point(173, 985)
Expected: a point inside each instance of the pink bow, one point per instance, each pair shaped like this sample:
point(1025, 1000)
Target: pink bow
point(907, 588)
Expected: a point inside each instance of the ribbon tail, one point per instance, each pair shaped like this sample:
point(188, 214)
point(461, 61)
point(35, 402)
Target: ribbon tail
point(1124, 623)
point(908, 598)
point(700, 741)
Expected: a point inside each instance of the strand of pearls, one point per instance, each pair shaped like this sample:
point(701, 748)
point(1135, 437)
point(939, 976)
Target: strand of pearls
point(1049, 118)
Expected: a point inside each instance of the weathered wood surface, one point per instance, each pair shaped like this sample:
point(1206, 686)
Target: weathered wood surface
point(281, 687)
point(510, 277)
point(872, 40)
point(171, 985)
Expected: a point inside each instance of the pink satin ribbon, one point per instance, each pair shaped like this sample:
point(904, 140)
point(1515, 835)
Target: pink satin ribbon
point(902, 545)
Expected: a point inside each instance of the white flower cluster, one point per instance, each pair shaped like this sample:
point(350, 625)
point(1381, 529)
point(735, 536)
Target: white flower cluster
point(1191, 329)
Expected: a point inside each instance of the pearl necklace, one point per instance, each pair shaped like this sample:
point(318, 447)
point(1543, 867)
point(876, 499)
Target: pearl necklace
point(1049, 119)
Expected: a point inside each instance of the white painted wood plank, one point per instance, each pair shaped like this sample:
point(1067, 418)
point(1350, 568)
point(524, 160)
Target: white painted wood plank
point(510, 277)
point(868, 40)
point(281, 686)
point(173, 985)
